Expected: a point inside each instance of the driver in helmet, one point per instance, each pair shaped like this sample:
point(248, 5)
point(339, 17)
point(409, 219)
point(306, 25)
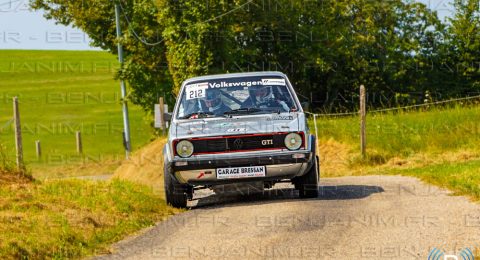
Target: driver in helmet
point(263, 97)
point(214, 103)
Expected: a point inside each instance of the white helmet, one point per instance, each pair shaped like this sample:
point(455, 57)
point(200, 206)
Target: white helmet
point(263, 94)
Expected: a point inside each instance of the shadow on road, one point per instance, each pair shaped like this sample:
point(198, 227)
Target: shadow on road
point(258, 196)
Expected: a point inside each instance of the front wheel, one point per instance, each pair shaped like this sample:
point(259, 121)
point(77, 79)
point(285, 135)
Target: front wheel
point(308, 184)
point(175, 192)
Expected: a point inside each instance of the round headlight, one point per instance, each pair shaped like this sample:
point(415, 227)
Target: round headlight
point(184, 148)
point(293, 141)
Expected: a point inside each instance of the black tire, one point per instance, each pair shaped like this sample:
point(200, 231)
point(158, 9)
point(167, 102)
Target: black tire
point(176, 193)
point(307, 184)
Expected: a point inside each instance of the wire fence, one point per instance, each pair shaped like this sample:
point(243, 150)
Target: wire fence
point(362, 113)
point(397, 108)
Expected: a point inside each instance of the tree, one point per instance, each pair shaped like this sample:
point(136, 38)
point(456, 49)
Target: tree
point(464, 45)
point(327, 48)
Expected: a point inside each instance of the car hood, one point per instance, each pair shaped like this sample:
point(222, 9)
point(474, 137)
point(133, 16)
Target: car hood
point(247, 124)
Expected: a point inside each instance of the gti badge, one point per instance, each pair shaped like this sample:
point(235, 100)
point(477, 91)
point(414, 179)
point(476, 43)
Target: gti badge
point(267, 142)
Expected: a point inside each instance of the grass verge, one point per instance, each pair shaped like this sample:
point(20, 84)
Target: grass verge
point(145, 167)
point(461, 178)
point(71, 218)
point(439, 146)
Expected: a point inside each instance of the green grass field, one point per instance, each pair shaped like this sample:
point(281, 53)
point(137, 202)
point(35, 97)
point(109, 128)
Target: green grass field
point(439, 146)
point(408, 133)
point(62, 92)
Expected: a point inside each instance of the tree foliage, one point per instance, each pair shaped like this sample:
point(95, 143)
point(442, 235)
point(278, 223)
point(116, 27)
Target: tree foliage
point(399, 49)
point(146, 66)
point(464, 44)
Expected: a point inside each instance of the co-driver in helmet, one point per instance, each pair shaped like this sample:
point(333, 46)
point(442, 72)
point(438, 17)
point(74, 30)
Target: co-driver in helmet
point(214, 103)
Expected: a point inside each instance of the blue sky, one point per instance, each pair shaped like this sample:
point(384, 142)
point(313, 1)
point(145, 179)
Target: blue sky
point(21, 28)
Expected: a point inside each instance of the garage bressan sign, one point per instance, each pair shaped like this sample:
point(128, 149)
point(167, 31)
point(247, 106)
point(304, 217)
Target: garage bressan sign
point(240, 172)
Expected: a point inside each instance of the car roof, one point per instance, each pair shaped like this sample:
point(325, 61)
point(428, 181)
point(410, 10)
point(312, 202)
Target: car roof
point(236, 75)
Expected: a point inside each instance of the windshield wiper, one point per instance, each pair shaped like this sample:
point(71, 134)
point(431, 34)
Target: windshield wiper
point(271, 110)
point(199, 115)
point(242, 111)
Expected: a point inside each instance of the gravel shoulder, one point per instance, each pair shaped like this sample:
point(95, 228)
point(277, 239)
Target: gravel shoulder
point(367, 217)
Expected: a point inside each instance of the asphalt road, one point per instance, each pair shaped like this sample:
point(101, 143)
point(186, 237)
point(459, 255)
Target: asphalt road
point(373, 217)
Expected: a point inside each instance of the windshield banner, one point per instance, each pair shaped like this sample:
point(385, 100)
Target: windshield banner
point(198, 90)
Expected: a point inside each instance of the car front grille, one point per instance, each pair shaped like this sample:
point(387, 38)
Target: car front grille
point(239, 143)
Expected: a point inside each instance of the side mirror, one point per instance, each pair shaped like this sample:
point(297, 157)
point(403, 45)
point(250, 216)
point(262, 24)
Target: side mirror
point(167, 116)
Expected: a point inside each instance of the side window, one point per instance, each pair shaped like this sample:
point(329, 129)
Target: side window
point(284, 95)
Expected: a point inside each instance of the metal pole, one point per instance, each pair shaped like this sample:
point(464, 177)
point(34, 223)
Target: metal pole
point(126, 123)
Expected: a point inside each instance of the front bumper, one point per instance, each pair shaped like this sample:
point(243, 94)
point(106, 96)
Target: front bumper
point(284, 165)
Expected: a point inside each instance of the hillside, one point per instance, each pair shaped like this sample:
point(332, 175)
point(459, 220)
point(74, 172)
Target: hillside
point(61, 92)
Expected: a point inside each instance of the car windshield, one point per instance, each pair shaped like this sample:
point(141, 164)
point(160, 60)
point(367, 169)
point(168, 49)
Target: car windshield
point(235, 96)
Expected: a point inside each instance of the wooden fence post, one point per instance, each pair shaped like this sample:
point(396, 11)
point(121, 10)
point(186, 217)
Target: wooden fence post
point(162, 116)
point(18, 135)
point(38, 149)
point(78, 135)
point(317, 141)
point(363, 114)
